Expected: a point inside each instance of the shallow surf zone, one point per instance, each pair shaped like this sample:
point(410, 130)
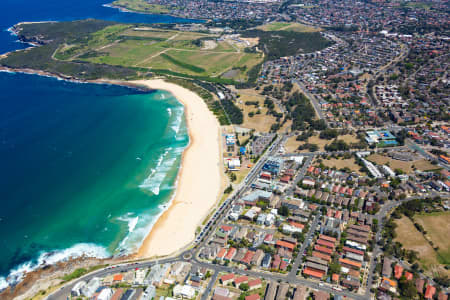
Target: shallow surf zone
point(160, 177)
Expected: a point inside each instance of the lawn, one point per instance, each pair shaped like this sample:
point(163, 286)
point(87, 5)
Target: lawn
point(405, 166)
point(285, 26)
point(342, 163)
point(153, 48)
point(260, 122)
point(348, 138)
point(437, 226)
point(412, 239)
point(141, 6)
point(292, 144)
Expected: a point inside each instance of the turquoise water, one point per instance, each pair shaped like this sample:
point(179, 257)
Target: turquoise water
point(85, 168)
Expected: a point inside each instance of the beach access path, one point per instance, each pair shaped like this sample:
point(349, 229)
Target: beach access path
point(200, 179)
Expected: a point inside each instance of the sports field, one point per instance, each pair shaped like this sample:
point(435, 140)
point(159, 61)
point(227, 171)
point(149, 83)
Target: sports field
point(190, 53)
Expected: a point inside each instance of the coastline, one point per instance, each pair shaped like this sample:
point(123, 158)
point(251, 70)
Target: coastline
point(200, 179)
point(197, 188)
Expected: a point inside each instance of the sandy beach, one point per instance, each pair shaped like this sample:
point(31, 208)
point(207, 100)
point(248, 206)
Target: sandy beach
point(200, 180)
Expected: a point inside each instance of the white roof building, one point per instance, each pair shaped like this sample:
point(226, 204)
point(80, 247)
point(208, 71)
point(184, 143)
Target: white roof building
point(387, 171)
point(89, 289)
point(234, 163)
point(76, 290)
point(105, 294)
point(291, 229)
point(185, 291)
point(139, 276)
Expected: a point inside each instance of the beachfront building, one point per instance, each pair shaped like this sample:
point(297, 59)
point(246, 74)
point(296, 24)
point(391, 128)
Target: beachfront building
point(273, 165)
point(234, 164)
point(105, 294)
point(252, 198)
point(157, 274)
point(89, 289)
point(77, 289)
point(150, 293)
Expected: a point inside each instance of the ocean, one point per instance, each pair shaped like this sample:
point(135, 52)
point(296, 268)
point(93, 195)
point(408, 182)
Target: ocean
point(85, 168)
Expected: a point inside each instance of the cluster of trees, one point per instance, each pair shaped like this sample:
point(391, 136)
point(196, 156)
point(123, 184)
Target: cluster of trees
point(337, 145)
point(329, 134)
point(234, 113)
point(301, 111)
point(309, 146)
point(287, 43)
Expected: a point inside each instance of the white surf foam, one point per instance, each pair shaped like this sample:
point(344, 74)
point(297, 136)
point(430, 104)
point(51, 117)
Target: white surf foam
point(175, 124)
point(52, 257)
point(3, 283)
point(158, 173)
point(132, 221)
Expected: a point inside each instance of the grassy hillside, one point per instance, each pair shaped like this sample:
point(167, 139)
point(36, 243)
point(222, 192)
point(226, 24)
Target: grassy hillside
point(141, 6)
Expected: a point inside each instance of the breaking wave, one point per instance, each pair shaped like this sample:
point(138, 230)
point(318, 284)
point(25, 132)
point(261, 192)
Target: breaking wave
point(52, 257)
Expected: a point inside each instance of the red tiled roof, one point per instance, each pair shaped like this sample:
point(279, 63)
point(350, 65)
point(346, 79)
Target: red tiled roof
point(226, 228)
point(429, 292)
point(408, 275)
point(325, 243)
point(248, 257)
point(253, 297)
point(313, 273)
point(268, 237)
point(254, 282)
point(321, 255)
point(323, 249)
point(356, 251)
point(327, 238)
point(230, 253)
point(118, 277)
point(240, 280)
point(222, 253)
point(285, 245)
point(227, 277)
point(298, 225)
point(398, 270)
point(350, 262)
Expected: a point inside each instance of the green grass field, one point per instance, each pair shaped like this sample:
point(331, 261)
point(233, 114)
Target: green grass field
point(286, 26)
point(177, 51)
point(437, 226)
point(141, 6)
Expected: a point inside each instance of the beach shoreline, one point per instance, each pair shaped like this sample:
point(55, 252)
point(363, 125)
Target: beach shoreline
point(192, 201)
point(200, 179)
point(156, 242)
